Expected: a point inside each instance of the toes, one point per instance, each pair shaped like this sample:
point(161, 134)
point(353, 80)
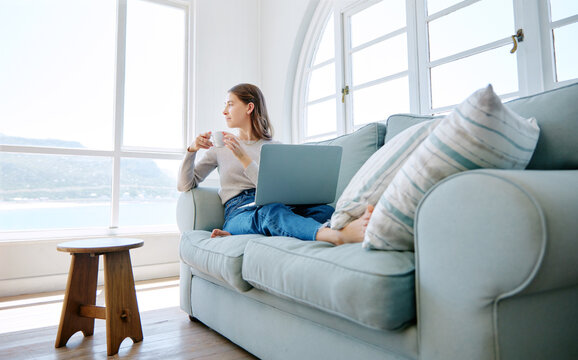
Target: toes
point(219, 233)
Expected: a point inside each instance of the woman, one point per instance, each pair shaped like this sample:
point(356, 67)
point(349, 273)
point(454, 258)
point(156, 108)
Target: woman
point(238, 165)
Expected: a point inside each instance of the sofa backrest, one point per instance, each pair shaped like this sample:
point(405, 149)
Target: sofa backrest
point(557, 114)
point(398, 122)
point(357, 148)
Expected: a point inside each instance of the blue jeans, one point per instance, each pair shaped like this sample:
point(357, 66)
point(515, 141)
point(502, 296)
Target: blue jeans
point(301, 222)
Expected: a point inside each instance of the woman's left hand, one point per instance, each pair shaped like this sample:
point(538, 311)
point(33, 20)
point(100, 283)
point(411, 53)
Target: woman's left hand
point(232, 143)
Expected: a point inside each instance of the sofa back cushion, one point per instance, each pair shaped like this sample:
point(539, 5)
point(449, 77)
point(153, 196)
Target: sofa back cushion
point(399, 122)
point(557, 114)
point(357, 148)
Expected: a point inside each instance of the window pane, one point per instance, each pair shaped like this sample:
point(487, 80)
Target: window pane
point(433, 6)
point(377, 103)
point(322, 82)
point(380, 60)
point(148, 192)
point(560, 9)
point(453, 82)
point(326, 48)
point(54, 191)
point(321, 118)
point(566, 49)
point(476, 29)
point(57, 71)
point(155, 73)
point(377, 20)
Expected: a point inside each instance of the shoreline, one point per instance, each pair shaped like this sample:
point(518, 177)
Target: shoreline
point(39, 204)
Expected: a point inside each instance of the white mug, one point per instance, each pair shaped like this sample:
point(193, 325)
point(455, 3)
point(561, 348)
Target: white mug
point(218, 138)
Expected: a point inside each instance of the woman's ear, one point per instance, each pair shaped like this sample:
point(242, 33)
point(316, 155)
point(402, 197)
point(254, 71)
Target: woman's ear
point(250, 108)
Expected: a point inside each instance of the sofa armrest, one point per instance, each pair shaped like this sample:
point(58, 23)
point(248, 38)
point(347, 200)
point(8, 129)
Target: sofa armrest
point(496, 274)
point(200, 209)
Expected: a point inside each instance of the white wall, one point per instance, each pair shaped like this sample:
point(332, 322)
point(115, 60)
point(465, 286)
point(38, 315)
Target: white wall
point(226, 53)
point(283, 27)
point(256, 41)
point(36, 266)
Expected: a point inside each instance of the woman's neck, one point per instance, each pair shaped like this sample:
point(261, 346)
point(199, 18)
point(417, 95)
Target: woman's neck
point(247, 135)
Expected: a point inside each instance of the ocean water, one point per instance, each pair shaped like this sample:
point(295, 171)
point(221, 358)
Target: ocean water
point(81, 215)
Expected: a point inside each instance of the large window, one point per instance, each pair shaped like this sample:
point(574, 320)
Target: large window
point(93, 111)
point(425, 56)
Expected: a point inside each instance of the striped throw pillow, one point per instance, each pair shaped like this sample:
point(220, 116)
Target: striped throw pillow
point(371, 180)
point(479, 133)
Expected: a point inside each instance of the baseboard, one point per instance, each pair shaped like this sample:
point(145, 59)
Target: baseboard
point(39, 284)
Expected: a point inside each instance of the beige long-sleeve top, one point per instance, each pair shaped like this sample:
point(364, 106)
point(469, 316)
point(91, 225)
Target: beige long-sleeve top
point(233, 177)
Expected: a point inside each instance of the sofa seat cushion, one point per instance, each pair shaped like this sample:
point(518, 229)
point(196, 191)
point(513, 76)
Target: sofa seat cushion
point(371, 288)
point(220, 258)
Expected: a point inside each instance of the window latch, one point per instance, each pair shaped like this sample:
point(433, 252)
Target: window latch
point(344, 91)
point(519, 37)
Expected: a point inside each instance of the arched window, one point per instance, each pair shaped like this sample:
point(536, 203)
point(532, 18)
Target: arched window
point(316, 97)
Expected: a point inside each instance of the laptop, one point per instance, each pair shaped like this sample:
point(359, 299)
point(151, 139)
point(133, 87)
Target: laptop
point(298, 174)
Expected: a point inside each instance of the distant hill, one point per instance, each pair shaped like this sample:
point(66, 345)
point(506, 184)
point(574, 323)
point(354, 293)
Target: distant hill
point(66, 177)
point(13, 140)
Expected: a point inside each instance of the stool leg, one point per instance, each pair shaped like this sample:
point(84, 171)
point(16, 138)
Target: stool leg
point(122, 316)
point(80, 290)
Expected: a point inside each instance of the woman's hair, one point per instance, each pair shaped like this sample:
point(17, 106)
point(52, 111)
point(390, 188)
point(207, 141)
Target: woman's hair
point(260, 123)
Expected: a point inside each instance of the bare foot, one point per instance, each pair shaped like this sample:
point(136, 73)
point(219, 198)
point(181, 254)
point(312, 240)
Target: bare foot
point(353, 232)
point(219, 232)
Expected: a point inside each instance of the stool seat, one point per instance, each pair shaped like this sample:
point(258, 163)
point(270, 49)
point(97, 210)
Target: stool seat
point(99, 246)
point(79, 309)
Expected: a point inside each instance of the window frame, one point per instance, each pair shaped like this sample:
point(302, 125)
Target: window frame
point(536, 72)
point(304, 68)
point(547, 43)
point(120, 152)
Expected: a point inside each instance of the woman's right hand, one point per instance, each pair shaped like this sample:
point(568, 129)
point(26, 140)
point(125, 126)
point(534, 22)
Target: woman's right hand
point(203, 141)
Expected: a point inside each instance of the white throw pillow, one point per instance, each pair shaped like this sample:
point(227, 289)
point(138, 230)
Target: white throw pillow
point(479, 133)
point(371, 180)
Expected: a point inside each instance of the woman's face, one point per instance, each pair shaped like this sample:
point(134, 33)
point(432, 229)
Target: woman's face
point(236, 112)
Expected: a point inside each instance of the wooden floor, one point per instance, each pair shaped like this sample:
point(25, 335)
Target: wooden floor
point(28, 326)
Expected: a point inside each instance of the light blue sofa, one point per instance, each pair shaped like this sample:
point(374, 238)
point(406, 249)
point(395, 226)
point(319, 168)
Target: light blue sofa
point(494, 274)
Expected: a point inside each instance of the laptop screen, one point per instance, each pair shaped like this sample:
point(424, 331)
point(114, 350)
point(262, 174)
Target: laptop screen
point(298, 174)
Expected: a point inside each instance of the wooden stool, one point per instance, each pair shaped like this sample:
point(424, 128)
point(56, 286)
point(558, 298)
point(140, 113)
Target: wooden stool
point(79, 309)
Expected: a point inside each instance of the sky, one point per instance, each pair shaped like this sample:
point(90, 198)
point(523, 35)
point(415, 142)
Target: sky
point(56, 78)
point(57, 72)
